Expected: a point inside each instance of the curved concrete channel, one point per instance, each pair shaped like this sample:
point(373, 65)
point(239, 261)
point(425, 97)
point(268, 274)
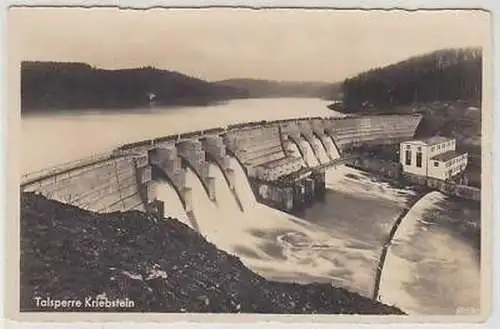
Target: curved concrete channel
point(388, 242)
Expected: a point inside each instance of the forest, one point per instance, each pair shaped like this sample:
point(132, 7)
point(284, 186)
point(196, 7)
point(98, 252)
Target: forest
point(444, 75)
point(54, 85)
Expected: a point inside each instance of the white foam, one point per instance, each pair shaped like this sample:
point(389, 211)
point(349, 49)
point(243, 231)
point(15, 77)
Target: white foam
point(310, 158)
point(352, 181)
point(323, 156)
point(399, 271)
point(275, 244)
point(331, 148)
point(173, 204)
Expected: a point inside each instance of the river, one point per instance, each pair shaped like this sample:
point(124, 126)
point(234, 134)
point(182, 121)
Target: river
point(432, 267)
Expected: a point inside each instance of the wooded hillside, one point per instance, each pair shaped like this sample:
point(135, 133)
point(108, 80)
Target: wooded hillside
point(49, 85)
point(444, 75)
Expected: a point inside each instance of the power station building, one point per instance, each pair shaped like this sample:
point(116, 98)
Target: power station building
point(434, 157)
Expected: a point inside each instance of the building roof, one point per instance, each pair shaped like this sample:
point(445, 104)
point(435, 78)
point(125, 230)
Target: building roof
point(443, 157)
point(430, 141)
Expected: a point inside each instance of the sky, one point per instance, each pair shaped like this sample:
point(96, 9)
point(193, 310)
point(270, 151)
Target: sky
point(221, 43)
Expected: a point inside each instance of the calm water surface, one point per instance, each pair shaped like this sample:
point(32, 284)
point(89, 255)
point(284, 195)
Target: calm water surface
point(53, 139)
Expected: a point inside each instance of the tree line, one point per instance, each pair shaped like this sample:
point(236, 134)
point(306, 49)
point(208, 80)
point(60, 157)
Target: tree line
point(52, 85)
point(444, 75)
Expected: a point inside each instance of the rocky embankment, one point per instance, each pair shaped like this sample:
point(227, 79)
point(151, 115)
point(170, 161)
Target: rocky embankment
point(160, 264)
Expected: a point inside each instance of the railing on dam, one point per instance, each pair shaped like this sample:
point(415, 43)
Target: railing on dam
point(263, 123)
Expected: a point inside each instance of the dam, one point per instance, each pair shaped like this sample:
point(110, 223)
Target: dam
point(278, 195)
point(246, 187)
point(284, 162)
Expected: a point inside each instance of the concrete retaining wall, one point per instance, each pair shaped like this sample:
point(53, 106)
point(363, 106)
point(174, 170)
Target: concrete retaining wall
point(448, 188)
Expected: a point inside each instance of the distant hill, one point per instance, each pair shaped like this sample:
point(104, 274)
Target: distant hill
point(258, 88)
point(52, 85)
point(444, 75)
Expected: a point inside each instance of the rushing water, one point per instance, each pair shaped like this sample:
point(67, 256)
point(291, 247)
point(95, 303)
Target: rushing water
point(432, 265)
point(174, 206)
point(310, 157)
point(323, 156)
point(331, 148)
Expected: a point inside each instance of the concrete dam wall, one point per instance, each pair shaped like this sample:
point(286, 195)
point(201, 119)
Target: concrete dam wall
point(112, 183)
point(283, 160)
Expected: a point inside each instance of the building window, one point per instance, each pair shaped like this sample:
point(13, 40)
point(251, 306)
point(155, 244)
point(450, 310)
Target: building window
point(408, 158)
point(419, 159)
point(432, 149)
point(419, 149)
point(436, 164)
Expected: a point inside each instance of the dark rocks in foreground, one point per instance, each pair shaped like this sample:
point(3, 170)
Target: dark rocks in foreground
point(160, 264)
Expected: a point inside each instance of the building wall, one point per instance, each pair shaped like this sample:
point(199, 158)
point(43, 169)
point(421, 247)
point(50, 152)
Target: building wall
point(442, 170)
point(414, 149)
point(438, 172)
point(449, 168)
point(442, 147)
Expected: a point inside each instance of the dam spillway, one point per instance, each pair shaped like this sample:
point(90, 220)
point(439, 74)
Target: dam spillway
point(253, 177)
point(284, 159)
point(241, 187)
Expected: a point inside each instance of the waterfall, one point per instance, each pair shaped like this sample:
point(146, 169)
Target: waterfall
point(226, 202)
point(331, 148)
point(242, 186)
point(205, 211)
point(310, 158)
point(293, 150)
point(323, 156)
point(173, 204)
